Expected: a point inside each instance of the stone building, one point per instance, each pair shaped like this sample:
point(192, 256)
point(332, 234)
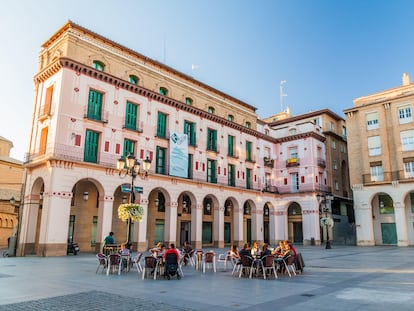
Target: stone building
point(11, 172)
point(381, 162)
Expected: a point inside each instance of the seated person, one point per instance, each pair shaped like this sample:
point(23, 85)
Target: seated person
point(255, 249)
point(292, 248)
point(245, 251)
point(161, 251)
point(124, 252)
point(187, 250)
point(265, 251)
point(234, 252)
point(279, 250)
point(172, 250)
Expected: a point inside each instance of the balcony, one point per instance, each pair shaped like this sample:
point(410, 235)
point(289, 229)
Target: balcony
point(388, 177)
point(269, 162)
point(292, 162)
point(321, 162)
point(270, 189)
point(307, 187)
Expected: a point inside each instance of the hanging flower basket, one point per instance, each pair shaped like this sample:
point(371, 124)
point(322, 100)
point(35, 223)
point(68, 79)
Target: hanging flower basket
point(327, 221)
point(135, 212)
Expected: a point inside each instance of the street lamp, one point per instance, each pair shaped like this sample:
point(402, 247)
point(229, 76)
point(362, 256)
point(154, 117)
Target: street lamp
point(132, 167)
point(326, 221)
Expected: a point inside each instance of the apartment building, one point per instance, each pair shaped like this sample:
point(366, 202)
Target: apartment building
point(97, 101)
point(329, 159)
point(381, 162)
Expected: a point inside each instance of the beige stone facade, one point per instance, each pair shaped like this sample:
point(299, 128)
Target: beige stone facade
point(11, 173)
point(381, 155)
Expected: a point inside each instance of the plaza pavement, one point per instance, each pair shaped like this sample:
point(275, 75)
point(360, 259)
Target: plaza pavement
point(342, 278)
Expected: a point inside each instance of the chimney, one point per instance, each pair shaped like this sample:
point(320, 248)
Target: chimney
point(406, 79)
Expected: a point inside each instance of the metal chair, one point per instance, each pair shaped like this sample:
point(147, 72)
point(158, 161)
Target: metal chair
point(209, 259)
point(150, 265)
point(269, 265)
point(102, 262)
point(136, 261)
point(113, 263)
point(246, 263)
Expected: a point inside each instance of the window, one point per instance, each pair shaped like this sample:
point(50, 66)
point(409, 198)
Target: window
point(293, 152)
point(163, 91)
point(344, 132)
point(248, 178)
point(248, 151)
point(332, 126)
point(91, 146)
point(211, 110)
point(129, 147)
point(231, 177)
point(43, 141)
point(267, 153)
point(189, 101)
point(336, 185)
point(230, 145)
point(409, 169)
point(377, 173)
point(294, 181)
point(372, 120)
point(317, 121)
point(292, 131)
point(134, 79)
point(190, 166)
point(190, 130)
point(333, 144)
point(334, 165)
point(211, 171)
point(162, 125)
point(230, 117)
point(211, 140)
point(407, 140)
point(131, 114)
point(374, 145)
point(95, 105)
point(48, 101)
point(248, 124)
point(98, 65)
point(161, 161)
point(404, 114)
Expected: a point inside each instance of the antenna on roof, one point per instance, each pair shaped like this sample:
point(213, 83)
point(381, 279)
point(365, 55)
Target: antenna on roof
point(282, 95)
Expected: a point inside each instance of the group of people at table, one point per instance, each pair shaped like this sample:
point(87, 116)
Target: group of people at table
point(283, 250)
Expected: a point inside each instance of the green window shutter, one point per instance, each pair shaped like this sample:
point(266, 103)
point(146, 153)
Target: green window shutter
point(91, 147)
point(94, 105)
point(230, 146)
point(162, 125)
point(248, 150)
point(190, 165)
point(160, 167)
point(129, 147)
point(231, 175)
point(211, 140)
point(248, 178)
point(131, 116)
point(189, 129)
point(211, 171)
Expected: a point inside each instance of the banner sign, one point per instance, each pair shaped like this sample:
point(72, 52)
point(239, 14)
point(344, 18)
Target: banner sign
point(179, 155)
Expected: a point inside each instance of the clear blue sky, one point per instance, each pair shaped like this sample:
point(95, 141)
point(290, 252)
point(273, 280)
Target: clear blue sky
point(329, 52)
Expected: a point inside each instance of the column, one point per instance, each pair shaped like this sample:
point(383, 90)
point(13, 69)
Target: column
point(104, 221)
point(171, 223)
point(364, 225)
point(197, 226)
point(401, 224)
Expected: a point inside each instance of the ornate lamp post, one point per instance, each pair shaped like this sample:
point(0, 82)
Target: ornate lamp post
point(130, 166)
point(326, 221)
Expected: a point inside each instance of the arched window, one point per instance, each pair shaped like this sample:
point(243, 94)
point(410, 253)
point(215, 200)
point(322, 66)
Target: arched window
point(230, 117)
point(133, 79)
point(248, 124)
point(211, 110)
point(189, 101)
point(163, 91)
point(98, 65)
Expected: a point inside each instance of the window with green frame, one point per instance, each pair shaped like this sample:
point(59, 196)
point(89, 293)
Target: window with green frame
point(129, 147)
point(231, 177)
point(95, 105)
point(230, 146)
point(212, 171)
point(190, 166)
point(162, 125)
point(163, 91)
point(190, 130)
point(211, 139)
point(134, 79)
point(98, 65)
point(230, 117)
point(211, 110)
point(248, 150)
point(131, 114)
point(248, 124)
point(161, 161)
point(189, 101)
point(248, 178)
point(91, 146)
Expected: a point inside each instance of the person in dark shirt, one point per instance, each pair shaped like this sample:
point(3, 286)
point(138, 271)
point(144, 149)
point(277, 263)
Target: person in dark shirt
point(245, 251)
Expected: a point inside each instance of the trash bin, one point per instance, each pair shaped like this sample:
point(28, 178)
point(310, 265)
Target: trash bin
point(312, 241)
point(12, 246)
